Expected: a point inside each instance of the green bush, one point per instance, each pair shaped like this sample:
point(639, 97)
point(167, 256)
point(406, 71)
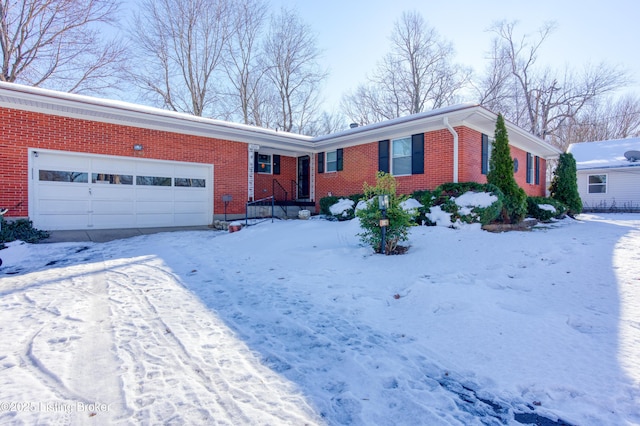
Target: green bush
point(428, 199)
point(501, 175)
point(326, 203)
point(399, 219)
point(21, 229)
point(544, 215)
point(564, 184)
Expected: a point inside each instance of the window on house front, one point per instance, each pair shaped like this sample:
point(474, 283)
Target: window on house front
point(264, 163)
point(597, 184)
point(401, 156)
point(529, 168)
point(486, 153)
point(332, 161)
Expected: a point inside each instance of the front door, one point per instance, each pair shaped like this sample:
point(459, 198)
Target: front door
point(303, 177)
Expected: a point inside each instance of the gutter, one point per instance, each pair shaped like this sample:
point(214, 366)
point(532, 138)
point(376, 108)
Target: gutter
point(445, 120)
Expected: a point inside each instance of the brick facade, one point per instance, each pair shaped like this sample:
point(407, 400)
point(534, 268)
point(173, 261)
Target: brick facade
point(21, 130)
point(361, 165)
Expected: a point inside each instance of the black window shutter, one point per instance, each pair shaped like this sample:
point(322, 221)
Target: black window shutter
point(383, 156)
point(339, 161)
point(255, 162)
point(417, 154)
point(321, 162)
point(537, 171)
point(485, 154)
point(529, 168)
point(276, 164)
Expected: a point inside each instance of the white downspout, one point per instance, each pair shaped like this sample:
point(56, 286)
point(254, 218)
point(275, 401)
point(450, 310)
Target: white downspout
point(455, 149)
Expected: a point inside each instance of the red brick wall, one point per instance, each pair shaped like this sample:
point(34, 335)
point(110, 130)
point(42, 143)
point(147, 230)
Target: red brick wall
point(361, 165)
point(263, 182)
point(20, 130)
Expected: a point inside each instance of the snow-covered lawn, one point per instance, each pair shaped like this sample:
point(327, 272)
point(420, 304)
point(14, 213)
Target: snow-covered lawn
point(296, 323)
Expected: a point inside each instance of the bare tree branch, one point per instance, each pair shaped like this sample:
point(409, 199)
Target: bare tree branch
point(57, 44)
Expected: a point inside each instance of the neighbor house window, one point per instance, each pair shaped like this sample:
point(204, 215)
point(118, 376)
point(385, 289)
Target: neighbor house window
point(264, 163)
point(401, 156)
point(597, 184)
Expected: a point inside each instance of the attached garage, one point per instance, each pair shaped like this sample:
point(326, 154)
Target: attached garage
point(86, 191)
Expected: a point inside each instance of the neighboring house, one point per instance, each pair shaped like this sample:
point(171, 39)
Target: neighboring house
point(608, 174)
point(77, 162)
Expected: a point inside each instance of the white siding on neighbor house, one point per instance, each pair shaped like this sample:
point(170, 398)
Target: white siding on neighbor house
point(623, 188)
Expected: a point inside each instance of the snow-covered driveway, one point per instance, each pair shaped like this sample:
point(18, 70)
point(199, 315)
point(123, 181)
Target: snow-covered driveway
point(296, 323)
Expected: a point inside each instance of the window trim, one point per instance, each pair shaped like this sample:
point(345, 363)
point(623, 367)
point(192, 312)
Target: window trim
point(606, 183)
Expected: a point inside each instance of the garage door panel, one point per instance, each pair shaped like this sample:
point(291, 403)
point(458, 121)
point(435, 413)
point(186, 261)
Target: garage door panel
point(113, 192)
point(112, 207)
point(64, 206)
point(189, 207)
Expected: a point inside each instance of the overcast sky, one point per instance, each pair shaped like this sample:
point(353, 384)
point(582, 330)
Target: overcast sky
point(354, 34)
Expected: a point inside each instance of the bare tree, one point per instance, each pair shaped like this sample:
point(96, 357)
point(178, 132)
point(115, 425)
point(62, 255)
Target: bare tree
point(614, 118)
point(290, 63)
point(57, 44)
point(418, 74)
point(540, 100)
point(242, 61)
point(180, 49)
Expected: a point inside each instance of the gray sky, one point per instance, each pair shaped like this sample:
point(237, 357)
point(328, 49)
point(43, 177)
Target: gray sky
point(354, 33)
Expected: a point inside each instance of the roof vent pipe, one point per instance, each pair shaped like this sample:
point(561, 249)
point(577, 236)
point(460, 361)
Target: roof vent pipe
point(353, 125)
point(455, 148)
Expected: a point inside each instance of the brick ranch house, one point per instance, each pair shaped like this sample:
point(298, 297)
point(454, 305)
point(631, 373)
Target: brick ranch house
point(76, 162)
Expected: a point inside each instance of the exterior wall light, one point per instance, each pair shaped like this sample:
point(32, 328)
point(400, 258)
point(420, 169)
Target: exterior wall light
point(137, 147)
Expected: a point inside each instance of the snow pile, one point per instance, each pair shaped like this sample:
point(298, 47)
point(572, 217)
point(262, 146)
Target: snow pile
point(295, 322)
point(341, 207)
point(411, 206)
point(469, 200)
point(547, 207)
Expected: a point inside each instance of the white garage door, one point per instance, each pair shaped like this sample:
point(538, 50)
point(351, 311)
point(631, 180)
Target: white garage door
point(80, 191)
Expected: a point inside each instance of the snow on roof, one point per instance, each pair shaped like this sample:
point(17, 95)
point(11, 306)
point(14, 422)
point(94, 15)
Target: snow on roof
point(604, 154)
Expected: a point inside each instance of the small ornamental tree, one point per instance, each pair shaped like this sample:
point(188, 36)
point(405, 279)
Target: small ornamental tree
point(399, 219)
point(501, 175)
point(564, 184)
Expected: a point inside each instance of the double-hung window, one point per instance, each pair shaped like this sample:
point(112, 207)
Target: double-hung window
point(332, 161)
point(264, 163)
point(401, 156)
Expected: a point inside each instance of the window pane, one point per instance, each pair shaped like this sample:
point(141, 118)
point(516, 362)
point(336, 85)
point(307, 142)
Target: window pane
point(153, 180)
point(402, 166)
point(62, 176)
point(402, 147)
point(112, 179)
point(597, 189)
point(597, 179)
point(188, 182)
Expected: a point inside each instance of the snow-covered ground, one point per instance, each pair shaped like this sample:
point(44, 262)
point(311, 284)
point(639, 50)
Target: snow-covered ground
point(296, 323)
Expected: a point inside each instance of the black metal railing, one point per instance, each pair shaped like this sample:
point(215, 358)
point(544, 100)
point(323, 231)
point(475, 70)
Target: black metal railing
point(258, 209)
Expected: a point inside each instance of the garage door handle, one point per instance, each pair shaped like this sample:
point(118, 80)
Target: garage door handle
point(89, 191)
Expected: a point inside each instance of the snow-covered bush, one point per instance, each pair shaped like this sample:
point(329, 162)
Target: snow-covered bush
point(339, 208)
point(466, 202)
point(545, 209)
